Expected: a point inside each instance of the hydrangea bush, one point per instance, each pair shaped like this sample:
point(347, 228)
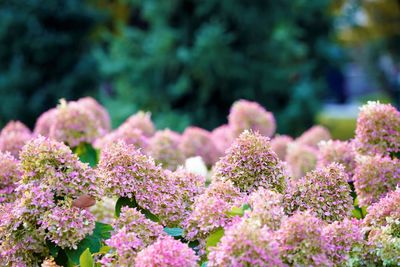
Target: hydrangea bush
point(75, 193)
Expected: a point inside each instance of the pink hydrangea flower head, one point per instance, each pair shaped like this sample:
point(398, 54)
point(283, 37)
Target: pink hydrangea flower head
point(164, 148)
point(198, 142)
point(124, 168)
point(9, 176)
point(385, 242)
point(74, 124)
point(167, 252)
point(132, 232)
point(378, 129)
point(16, 126)
point(266, 208)
point(246, 243)
point(13, 137)
point(374, 177)
point(247, 115)
point(21, 241)
point(187, 186)
point(325, 192)
point(210, 210)
point(125, 134)
point(301, 159)
point(250, 163)
point(22, 251)
point(337, 151)
point(141, 121)
point(223, 137)
point(302, 242)
point(387, 207)
point(53, 164)
point(314, 135)
point(100, 113)
point(126, 245)
point(279, 145)
point(347, 240)
point(126, 172)
point(132, 220)
point(44, 122)
point(66, 227)
point(49, 262)
point(34, 199)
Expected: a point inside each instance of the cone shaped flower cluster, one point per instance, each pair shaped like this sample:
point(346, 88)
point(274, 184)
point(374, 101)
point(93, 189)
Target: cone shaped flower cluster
point(13, 137)
point(74, 124)
point(164, 148)
point(247, 115)
point(210, 210)
point(378, 129)
point(250, 163)
point(223, 137)
point(301, 159)
point(266, 208)
point(132, 233)
point(246, 244)
point(52, 179)
point(168, 252)
point(141, 121)
point(9, 176)
point(198, 142)
point(302, 241)
point(314, 135)
point(340, 152)
point(325, 192)
point(374, 177)
point(279, 145)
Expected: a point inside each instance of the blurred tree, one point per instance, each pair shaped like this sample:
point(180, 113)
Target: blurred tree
point(44, 55)
point(188, 60)
point(373, 26)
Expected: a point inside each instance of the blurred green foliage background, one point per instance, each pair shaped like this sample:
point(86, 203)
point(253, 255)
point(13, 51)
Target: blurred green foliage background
point(186, 61)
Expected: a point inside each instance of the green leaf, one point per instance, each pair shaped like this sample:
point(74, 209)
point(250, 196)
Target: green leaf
point(86, 259)
point(149, 215)
point(174, 231)
point(359, 212)
point(236, 211)
point(92, 242)
point(356, 202)
point(62, 258)
point(102, 230)
point(122, 202)
point(194, 244)
point(53, 248)
point(395, 155)
point(87, 154)
point(364, 211)
point(246, 207)
point(204, 264)
point(214, 238)
point(356, 213)
point(104, 249)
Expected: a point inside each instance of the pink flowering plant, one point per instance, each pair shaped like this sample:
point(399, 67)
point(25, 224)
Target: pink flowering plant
point(74, 192)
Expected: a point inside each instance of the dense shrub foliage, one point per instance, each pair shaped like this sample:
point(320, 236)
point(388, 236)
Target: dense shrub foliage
point(44, 55)
point(74, 192)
